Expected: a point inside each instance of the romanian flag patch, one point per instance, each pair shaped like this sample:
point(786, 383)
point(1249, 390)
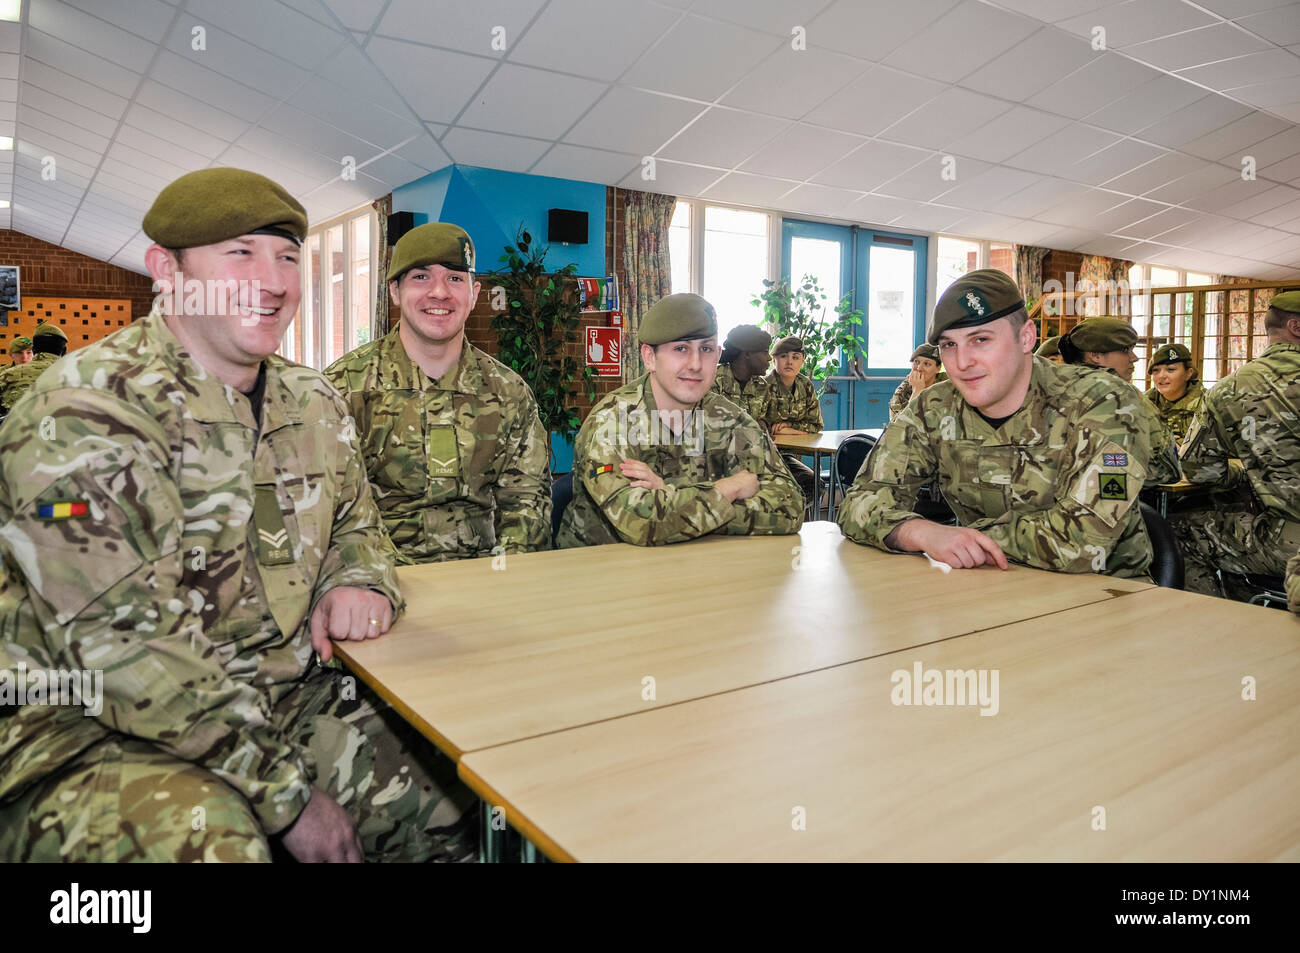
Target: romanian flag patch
point(62, 511)
point(597, 471)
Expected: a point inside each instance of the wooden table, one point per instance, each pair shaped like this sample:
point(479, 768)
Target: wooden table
point(1133, 705)
point(818, 445)
point(561, 639)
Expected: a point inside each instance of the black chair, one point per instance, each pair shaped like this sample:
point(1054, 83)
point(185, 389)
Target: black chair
point(850, 458)
point(561, 497)
point(1254, 588)
point(1167, 564)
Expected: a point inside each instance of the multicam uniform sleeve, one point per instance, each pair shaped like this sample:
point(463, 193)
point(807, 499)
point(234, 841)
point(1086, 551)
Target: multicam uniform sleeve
point(360, 553)
point(1108, 464)
point(1207, 449)
point(902, 394)
point(1164, 466)
point(777, 508)
point(90, 516)
point(806, 410)
point(523, 490)
point(1293, 583)
point(884, 494)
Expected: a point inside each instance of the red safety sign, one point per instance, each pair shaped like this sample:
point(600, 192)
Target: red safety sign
point(603, 346)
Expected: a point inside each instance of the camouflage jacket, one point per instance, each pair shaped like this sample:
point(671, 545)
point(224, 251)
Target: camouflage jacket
point(797, 406)
point(1055, 486)
point(752, 396)
point(1253, 414)
point(458, 465)
point(1179, 414)
point(716, 440)
point(903, 394)
point(1293, 583)
point(15, 381)
point(192, 553)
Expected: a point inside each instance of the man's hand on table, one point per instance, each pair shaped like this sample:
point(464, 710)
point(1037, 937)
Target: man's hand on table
point(323, 833)
point(349, 613)
point(959, 546)
point(741, 485)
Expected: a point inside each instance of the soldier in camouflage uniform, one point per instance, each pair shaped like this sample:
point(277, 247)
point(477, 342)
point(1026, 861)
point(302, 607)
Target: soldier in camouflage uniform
point(1042, 464)
point(741, 366)
point(1177, 395)
point(665, 459)
point(189, 514)
point(925, 371)
point(49, 343)
point(20, 350)
point(1050, 350)
point(792, 407)
point(1293, 583)
point(1253, 415)
point(453, 446)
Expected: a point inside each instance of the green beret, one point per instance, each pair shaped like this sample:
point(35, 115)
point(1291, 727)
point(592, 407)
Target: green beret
point(1286, 301)
point(1102, 335)
point(1171, 354)
point(975, 298)
point(19, 343)
point(215, 205)
point(788, 345)
point(926, 350)
point(748, 337)
point(1050, 347)
point(49, 331)
point(437, 243)
point(679, 317)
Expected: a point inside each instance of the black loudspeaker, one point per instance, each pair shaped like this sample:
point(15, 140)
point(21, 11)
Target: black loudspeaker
point(399, 223)
point(566, 225)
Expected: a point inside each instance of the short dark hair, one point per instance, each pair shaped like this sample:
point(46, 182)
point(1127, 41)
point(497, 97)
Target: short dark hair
point(1275, 319)
point(49, 344)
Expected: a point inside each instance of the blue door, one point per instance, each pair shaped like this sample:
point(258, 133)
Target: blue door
point(885, 274)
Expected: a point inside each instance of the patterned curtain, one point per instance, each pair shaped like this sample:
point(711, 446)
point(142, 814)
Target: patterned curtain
point(1102, 276)
point(1029, 272)
point(383, 208)
point(645, 262)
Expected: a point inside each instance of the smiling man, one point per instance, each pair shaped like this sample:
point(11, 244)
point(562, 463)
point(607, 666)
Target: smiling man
point(1041, 463)
point(665, 459)
point(189, 514)
point(453, 446)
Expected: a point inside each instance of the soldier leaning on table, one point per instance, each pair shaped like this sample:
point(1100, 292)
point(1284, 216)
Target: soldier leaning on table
point(792, 407)
point(454, 450)
point(665, 459)
point(925, 371)
point(189, 514)
point(1253, 415)
point(1041, 463)
point(741, 368)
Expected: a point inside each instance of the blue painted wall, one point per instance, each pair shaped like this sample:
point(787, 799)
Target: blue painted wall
point(490, 205)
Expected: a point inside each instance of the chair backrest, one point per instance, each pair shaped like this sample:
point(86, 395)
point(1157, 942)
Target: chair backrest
point(561, 497)
point(852, 454)
point(1167, 564)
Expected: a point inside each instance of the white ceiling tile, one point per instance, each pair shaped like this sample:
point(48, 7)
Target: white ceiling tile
point(1040, 195)
point(946, 119)
point(87, 32)
point(791, 83)
point(632, 120)
point(198, 81)
point(674, 178)
point(274, 27)
point(700, 58)
point(76, 62)
point(1124, 156)
point(352, 69)
point(1251, 69)
point(1161, 222)
point(874, 101)
point(37, 75)
point(876, 209)
point(1035, 64)
point(800, 152)
point(1290, 112)
point(872, 29)
point(295, 182)
point(723, 137)
point(1014, 131)
point(1197, 47)
point(1146, 104)
point(410, 66)
point(626, 30)
point(993, 227)
point(1197, 182)
point(1137, 21)
point(1226, 197)
point(1083, 208)
point(1152, 175)
point(356, 14)
point(462, 26)
point(1114, 247)
point(65, 110)
point(190, 111)
point(1278, 92)
point(44, 142)
point(1103, 80)
point(1280, 25)
point(586, 165)
point(179, 154)
point(986, 190)
point(1236, 138)
point(933, 177)
point(741, 188)
point(392, 170)
point(297, 128)
point(1116, 220)
point(962, 41)
point(1284, 145)
point(524, 101)
point(426, 153)
point(492, 150)
point(774, 16)
point(1277, 215)
point(870, 166)
point(338, 107)
point(1191, 122)
point(151, 171)
point(1262, 200)
point(11, 36)
point(1061, 150)
point(1071, 239)
point(1053, 11)
point(820, 200)
point(929, 218)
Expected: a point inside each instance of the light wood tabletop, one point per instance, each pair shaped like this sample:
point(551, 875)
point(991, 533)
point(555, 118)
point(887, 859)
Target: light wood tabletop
point(827, 441)
point(559, 639)
point(1133, 707)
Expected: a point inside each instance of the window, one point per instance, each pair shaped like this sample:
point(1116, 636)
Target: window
point(338, 291)
point(957, 256)
point(679, 248)
point(726, 260)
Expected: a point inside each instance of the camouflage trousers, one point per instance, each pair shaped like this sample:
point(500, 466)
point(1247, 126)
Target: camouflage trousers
point(1235, 540)
point(126, 800)
point(803, 475)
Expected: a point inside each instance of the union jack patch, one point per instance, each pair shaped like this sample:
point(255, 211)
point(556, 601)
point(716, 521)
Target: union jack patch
point(1115, 459)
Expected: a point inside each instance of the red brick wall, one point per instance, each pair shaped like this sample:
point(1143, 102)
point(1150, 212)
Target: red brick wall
point(51, 271)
